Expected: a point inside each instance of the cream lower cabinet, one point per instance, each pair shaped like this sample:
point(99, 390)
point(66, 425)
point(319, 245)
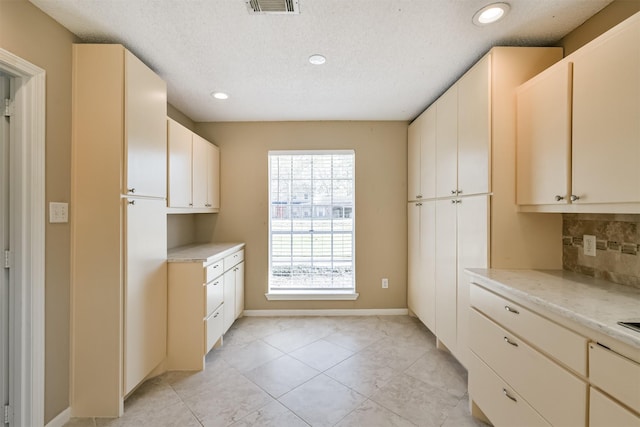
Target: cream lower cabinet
point(233, 288)
point(202, 307)
point(193, 172)
point(421, 275)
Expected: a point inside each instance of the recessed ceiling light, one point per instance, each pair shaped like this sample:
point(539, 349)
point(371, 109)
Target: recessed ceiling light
point(491, 13)
point(317, 59)
point(219, 95)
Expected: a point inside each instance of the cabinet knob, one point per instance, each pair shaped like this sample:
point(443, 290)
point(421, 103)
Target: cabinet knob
point(190, 204)
point(506, 393)
point(455, 201)
point(418, 204)
point(419, 196)
point(459, 191)
point(454, 192)
point(508, 341)
point(511, 310)
point(132, 202)
point(574, 197)
point(131, 190)
point(558, 198)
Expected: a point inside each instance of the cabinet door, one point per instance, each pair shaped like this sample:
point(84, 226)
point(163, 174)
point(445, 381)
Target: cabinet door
point(414, 260)
point(446, 273)
point(474, 129)
point(213, 177)
point(428, 260)
point(145, 130)
point(200, 163)
point(413, 159)
point(239, 270)
point(229, 298)
point(606, 129)
point(473, 252)
point(544, 138)
point(179, 168)
point(447, 143)
point(605, 412)
point(428, 154)
point(145, 289)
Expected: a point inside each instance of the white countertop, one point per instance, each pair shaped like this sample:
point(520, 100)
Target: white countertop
point(596, 304)
point(202, 252)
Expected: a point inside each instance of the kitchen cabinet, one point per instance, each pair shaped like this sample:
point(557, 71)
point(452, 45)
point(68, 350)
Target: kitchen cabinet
point(476, 216)
point(206, 294)
point(194, 172)
point(233, 288)
point(602, 129)
point(605, 412)
point(422, 264)
point(422, 156)
point(118, 267)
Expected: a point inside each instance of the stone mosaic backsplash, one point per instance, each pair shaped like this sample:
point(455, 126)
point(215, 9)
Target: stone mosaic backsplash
point(617, 246)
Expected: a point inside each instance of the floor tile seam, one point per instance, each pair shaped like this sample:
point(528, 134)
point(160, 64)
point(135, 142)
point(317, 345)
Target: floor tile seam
point(288, 391)
point(306, 364)
point(186, 405)
point(139, 413)
point(391, 410)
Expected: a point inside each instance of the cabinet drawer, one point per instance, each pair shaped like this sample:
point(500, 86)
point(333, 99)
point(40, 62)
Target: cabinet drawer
point(213, 328)
point(558, 342)
point(559, 396)
point(499, 402)
point(604, 412)
point(615, 374)
point(233, 259)
point(215, 294)
point(214, 270)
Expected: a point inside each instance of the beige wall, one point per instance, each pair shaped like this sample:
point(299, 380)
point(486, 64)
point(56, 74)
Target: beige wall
point(381, 212)
point(180, 117)
point(32, 35)
point(608, 17)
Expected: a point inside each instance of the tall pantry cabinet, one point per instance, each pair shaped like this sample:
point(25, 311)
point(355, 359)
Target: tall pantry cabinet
point(119, 275)
point(476, 221)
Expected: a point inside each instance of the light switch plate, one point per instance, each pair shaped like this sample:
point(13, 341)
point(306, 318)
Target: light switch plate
point(58, 212)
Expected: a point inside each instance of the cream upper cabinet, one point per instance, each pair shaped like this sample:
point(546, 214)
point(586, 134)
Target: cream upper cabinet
point(544, 137)
point(422, 156)
point(589, 102)
point(194, 172)
point(474, 129)
point(180, 167)
point(145, 130)
point(606, 107)
point(447, 143)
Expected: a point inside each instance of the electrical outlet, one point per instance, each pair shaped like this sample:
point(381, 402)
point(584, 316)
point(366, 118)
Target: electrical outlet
point(589, 245)
point(385, 283)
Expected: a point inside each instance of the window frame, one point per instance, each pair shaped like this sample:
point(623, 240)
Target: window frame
point(315, 293)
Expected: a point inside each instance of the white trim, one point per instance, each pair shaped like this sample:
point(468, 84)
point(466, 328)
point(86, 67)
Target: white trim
point(60, 420)
point(311, 296)
point(28, 211)
point(331, 312)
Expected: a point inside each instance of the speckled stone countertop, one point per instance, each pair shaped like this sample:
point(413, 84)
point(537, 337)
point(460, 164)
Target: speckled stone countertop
point(202, 252)
point(593, 303)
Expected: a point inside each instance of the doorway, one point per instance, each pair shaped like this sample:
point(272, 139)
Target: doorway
point(22, 216)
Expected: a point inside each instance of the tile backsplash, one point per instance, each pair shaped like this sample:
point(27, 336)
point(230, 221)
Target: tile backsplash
point(617, 246)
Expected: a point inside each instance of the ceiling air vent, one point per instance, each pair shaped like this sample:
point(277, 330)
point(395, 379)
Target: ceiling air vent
point(273, 6)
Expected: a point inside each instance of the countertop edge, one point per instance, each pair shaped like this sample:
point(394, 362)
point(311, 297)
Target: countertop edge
point(205, 253)
point(613, 331)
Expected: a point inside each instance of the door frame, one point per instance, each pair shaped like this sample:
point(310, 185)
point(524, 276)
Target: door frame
point(27, 210)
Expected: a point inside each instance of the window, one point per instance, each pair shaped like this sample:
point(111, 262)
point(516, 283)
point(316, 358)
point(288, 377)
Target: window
point(311, 222)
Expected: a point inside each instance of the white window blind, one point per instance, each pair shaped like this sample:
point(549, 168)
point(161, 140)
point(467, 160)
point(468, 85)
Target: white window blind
point(311, 221)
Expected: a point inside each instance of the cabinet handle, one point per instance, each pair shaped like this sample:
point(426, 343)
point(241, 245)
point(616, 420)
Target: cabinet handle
point(216, 315)
point(454, 192)
point(418, 204)
point(453, 202)
point(574, 197)
point(216, 283)
point(190, 204)
point(131, 190)
point(132, 202)
point(508, 341)
point(419, 196)
point(459, 191)
point(506, 393)
point(511, 310)
point(558, 198)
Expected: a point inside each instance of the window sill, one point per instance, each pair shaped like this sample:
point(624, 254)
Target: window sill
point(311, 296)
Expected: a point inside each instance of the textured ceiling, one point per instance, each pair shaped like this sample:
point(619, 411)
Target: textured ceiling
point(386, 59)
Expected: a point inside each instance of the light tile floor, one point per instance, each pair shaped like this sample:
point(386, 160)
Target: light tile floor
point(309, 371)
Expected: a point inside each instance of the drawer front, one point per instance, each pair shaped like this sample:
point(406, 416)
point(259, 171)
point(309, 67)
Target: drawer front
point(233, 259)
point(540, 381)
point(615, 374)
point(215, 294)
point(214, 270)
point(604, 412)
point(213, 328)
point(499, 402)
point(558, 342)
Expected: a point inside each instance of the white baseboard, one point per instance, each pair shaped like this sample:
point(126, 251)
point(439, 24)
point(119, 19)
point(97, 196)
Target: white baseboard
point(62, 418)
point(334, 312)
